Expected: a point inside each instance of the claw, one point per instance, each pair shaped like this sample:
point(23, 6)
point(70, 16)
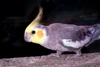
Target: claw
point(75, 56)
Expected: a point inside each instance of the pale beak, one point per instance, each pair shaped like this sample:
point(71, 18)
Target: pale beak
point(27, 38)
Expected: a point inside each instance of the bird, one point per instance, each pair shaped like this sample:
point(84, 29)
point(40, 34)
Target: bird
point(61, 37)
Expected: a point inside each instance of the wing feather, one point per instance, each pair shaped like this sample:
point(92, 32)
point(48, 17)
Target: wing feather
point(76, 37)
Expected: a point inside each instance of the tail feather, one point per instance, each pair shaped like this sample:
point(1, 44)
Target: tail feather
point(97, 31)
point(97, 26)
point(96, 34)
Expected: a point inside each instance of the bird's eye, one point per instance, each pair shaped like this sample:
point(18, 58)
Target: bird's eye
point(33, 32)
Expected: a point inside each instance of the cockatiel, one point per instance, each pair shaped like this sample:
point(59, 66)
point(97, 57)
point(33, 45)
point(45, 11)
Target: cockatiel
point(61, 37)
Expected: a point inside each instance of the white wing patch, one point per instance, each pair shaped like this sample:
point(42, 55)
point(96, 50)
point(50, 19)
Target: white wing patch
point(76, 44)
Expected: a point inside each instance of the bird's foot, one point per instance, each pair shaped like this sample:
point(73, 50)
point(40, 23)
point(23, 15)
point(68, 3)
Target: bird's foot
point(50, 55)
point(75, 56)
point(53, 55)
point(57, 54)
point(71, 57)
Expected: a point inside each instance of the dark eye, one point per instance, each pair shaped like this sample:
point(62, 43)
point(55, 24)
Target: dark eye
point(33, 32)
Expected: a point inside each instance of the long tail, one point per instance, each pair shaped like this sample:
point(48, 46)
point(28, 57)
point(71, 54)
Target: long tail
point(97, 31)
point(96, 34)
point(96, 26)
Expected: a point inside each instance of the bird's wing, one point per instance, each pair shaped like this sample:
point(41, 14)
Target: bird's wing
point(75, 37)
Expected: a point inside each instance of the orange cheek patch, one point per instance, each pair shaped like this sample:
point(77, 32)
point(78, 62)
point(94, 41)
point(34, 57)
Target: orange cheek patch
point(40, 33)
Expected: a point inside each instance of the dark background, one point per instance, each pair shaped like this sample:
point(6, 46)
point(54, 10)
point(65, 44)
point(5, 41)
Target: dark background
point(17, 14)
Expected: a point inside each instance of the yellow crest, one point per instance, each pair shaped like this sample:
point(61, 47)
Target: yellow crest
point(39, 35)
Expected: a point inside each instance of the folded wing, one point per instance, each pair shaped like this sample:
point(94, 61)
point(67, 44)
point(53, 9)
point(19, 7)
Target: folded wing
point(75, 37)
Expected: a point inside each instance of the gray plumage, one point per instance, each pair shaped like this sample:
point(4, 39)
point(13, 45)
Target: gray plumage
point(61, 37)
point(57, 32)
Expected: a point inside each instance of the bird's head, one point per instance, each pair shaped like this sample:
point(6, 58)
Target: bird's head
point(33, 33)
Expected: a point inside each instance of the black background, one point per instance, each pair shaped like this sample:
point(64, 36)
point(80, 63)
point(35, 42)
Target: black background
point(17, 14)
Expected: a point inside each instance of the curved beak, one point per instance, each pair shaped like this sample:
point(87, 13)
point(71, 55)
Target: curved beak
point(27, 38)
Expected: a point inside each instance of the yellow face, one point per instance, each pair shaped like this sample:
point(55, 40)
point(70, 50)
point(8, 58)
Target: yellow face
point(36, 35)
